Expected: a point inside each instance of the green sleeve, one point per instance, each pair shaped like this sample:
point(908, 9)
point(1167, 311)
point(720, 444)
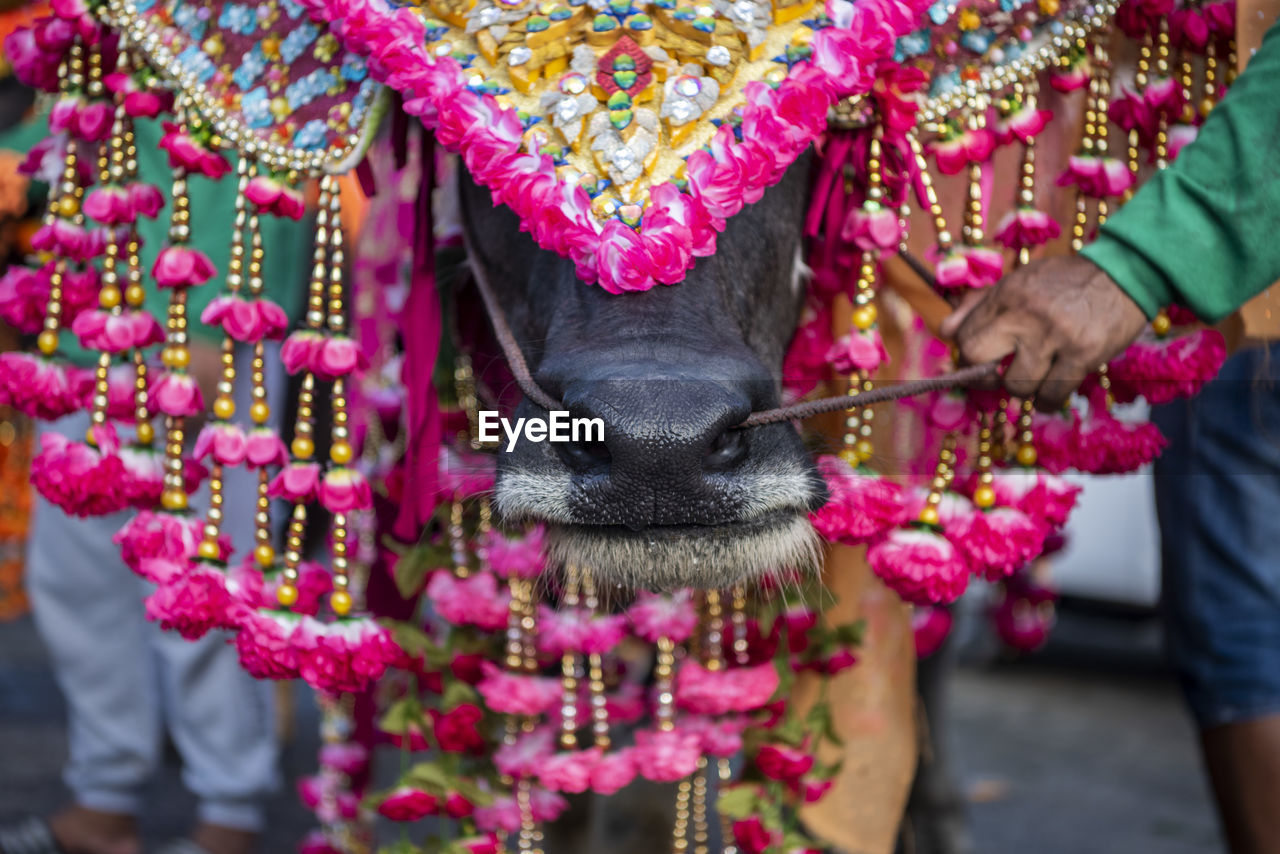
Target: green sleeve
point(1205, 232)
point(286, 242)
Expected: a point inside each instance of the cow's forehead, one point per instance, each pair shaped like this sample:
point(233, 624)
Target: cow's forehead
point(610, 126)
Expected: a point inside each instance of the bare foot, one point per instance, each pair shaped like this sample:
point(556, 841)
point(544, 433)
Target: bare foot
point(217, 839)
point(79, 830)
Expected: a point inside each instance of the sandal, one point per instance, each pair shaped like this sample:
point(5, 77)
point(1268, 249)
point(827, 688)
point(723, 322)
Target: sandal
point(31, 835)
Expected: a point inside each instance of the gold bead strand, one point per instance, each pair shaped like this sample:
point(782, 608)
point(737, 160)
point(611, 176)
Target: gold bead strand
point(664, 672)
point(595, 672)
point(944, 238)
point(65, 203)
point(1026, 453)
point(942, 474)
point(972, 227)
point(738, 619)
point(569, 672)
point(340, 450)
point(984, 494)
point(1209, 92)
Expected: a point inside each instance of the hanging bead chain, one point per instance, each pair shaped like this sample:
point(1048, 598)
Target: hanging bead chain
point(1162, 71)
point(1209, 92)
point(1088, 144)
point(1026, 454)
point(680, 830)
point(175, 356)
point(458, 540)
point(259, 411)
point(340, 450)
point(700, 828)
point(972, 226)
point(595, 673)
point(984, 495)
point(64, 203)
point(942, 475)
point(738, 619)
point(112, 169)
point(944, 238)
point(664, 670)
point(569, 672)
point(1027, 174)
point(1141, 79)
point(1102, 72)
point(999, 431)
point(303, 446)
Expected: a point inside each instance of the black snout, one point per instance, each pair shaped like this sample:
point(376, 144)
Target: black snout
point(671, 428)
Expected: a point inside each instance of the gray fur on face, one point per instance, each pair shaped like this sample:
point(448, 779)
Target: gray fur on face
point(669, 558)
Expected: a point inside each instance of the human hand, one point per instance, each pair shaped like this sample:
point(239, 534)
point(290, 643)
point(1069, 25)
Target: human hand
point(1060, 318)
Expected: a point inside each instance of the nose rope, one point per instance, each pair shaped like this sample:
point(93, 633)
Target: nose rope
point(797, 411)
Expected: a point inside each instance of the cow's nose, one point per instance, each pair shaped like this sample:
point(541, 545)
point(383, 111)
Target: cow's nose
point(674, 429)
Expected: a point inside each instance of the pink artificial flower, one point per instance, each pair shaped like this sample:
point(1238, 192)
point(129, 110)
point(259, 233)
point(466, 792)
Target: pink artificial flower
point(116, 333)
point(805, 364)
point(316, 842)
point(837, 662)
point(1164, 369)
point(296, 482)
point(247, 321)
point(922, 566)
point(471, 601)
point(569, 771)
point(783, 763)
point(321, 794)
point(186, 153)
point(263, 643)
point(1024, 615)
point(1107, 445)
point(158, 535)
point(224, 443)
point(721, 737)
point(272, 196)
point(177, 394)
point(139, 103)
point(345, 757)
point(959, 148)
point(515, 557)
point(110, 205)
point(1039, 495)
point(718, 692)
point(930, 626)
point(24, 295)
point(858, 350)
point(83, 481)
point(613, 772)
point(578, 630)
point(525, 756)
point(490, 843)
point(343, 490)
point(192, 600)
point(969, 267)
point(408, 804)
point(665, 756)
point(298, 353)
point(1026, 228)
point(1072, 78)
point(182, 266)
point(263, 447)
point(1024, 124)
point(33, 64)
point(752, 837)
point(346, 655)
point(861, 506)
point(456, 730)
point(1180, 136)
point(1097, 177)
point(998, 542)
point(68, 240)
point(670, 616)
point(873, 227)
point(514, 694)
point(337, 357)
point(40, 388)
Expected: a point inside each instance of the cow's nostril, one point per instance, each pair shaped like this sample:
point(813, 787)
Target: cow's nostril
point(584, 457)
point(727, 451)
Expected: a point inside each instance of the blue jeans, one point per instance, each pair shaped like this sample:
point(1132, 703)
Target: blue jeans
point(1218, 500)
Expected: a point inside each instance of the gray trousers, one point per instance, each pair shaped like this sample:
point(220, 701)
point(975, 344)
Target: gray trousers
point(127, 682)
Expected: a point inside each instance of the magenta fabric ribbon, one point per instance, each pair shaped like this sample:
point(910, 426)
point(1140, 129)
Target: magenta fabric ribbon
point(421, 329)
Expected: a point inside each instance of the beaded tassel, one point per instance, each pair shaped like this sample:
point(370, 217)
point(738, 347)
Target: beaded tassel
point(175, 356)
point(595, 674)
point(340, 450)
point(303, 446)
point(64, 203)
point(943, 474)
point(945, 241)
point(569, 673)
point(971, 230)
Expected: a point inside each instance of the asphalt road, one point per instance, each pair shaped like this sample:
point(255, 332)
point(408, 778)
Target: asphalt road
point(1063, 755)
